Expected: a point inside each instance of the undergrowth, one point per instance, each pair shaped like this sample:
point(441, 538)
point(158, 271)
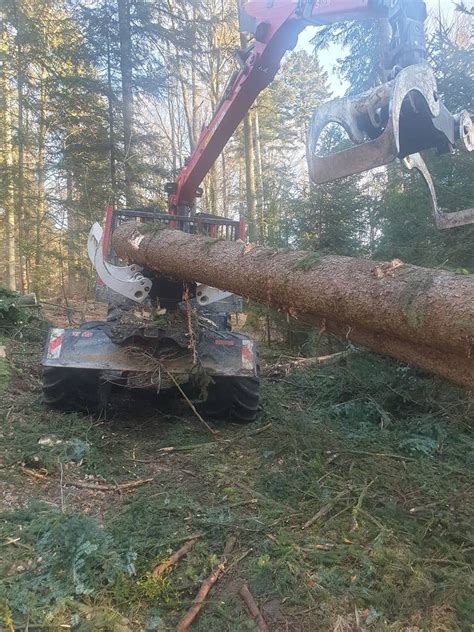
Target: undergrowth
point(350, 501)
point(5, 372)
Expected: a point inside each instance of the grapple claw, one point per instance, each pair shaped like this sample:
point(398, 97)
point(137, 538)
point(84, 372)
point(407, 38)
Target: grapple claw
point(396, 120)
point(442, 220)
point(466, 130)
point(125, 280)
point(375, 122)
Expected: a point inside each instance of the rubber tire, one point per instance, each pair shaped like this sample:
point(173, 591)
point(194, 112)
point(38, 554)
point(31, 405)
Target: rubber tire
point(71, 389)
point(233, 398)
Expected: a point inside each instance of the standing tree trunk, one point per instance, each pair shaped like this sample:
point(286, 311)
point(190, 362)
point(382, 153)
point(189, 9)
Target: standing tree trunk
point(6, 163)
point(189, 115)
point(185, 101)
point(258, 162)
point(420, 316)
point(214, 93)
point(71, 241)
point(22, 213)
point(241, 189)
point(225, 211)
point(194, 95)
point(194, 89)
point(174, 149)
point(110, 102)
point(127, 97)
point(251, 194)
point(40, 191)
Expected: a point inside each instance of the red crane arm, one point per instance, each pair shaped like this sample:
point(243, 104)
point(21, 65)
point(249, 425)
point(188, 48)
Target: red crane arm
point(275, 25)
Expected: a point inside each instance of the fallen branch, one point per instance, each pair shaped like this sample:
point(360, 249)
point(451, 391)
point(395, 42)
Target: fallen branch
point(251, 604)
point(177, 555)
point(325, 509)
point(252, 433)
point(196, 446)
point(301, 363)
point(38, 474)
point(191, 405)
point(110, 488)
point(262, 497)
point(387, 455)
point(326, 546)
point(322, 360)
point(206, 586)
point(187, 448)
point(17, 543)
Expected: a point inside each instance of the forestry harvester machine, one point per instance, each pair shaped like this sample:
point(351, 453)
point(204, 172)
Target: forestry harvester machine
point(182, 335)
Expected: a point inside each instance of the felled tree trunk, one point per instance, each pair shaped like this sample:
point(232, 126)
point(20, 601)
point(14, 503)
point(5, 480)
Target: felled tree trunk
point(418, 315)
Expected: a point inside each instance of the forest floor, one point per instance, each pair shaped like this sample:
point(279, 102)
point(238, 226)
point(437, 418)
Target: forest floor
point(349, 503)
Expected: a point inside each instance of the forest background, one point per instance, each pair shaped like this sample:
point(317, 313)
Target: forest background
point(101, 101)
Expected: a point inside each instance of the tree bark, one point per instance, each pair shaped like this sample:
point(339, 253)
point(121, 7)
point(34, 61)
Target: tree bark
point(418, 315)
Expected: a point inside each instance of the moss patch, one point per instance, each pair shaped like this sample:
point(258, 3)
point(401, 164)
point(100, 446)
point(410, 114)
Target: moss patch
point(308, 262)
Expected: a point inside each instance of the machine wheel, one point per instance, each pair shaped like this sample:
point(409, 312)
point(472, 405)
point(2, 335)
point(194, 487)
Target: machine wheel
point(71, 389)
point(233, 398)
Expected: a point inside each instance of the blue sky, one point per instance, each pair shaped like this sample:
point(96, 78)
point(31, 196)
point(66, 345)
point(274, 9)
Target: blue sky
point(329, 57)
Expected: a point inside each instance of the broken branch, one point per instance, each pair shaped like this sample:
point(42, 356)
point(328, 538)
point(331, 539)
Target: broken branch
point(177, 555)
point(206, 586)
point(251, 604)
point(191, 405)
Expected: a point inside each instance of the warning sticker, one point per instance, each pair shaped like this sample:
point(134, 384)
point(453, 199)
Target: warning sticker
point(56, 338)
point(247, 359)
point(224, 342)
